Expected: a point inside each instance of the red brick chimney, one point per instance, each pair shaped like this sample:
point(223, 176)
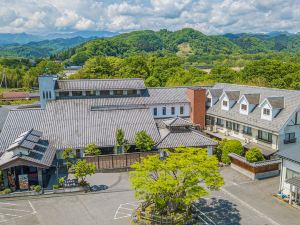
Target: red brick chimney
point(197, 97)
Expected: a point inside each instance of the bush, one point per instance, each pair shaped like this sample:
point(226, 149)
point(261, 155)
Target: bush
point(61, 181)
point(6, 191)
point(37, 188)
point(231, 146)
point(55, 186)
point(218, 149)
point(31, 188)
point(254, 155)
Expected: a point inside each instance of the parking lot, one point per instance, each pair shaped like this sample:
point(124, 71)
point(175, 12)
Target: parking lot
point(241, 201)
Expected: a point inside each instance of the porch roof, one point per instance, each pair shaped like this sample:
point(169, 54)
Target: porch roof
point(295, 181)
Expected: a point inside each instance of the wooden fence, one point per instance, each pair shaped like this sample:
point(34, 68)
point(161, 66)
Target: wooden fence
point(123, 161)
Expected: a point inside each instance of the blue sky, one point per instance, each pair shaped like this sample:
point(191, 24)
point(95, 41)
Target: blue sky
point(208, 16)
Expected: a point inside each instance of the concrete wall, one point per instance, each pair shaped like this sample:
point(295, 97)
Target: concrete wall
point(47, 88)
point(285, 187)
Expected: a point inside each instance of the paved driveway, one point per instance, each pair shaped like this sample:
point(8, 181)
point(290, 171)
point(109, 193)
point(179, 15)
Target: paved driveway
point(241, 201)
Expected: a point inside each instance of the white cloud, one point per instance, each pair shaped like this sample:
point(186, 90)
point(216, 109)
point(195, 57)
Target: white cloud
point(208, 16)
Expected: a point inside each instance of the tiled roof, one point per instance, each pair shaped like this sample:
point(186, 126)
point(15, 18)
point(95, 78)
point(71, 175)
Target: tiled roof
point(233, 95)
point(14, 95)
point(74, 125)
point(276, 102)
point(40, 151)
point(292, 154)
point(191, 138)
point(215, 93)
point(291, 104)
point(177, 122)
point(100, 84)
point(252, 98)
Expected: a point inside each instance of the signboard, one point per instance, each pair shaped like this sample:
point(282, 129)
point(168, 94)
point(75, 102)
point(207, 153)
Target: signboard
point(23, 181)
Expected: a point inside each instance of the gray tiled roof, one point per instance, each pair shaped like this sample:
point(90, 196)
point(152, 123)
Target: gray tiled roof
point(276, 102)
point(40, 152)
point(233, 95)
point(292, 154)
point(177, 122)
point(4, 110)
point(191, 138)
point(74, 125)
point(215, 93)
point(291, 101)
point(252, 98)
point(100, 84)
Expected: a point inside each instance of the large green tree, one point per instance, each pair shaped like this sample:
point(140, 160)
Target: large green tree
point(173, 184)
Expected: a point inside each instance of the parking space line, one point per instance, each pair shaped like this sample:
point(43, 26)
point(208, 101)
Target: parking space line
point(249, 206)
point(33, 209)
point(6, 214)
point(6, 203)
point(18, 210)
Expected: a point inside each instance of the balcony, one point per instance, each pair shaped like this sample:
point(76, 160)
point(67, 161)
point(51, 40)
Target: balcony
point(289, 141)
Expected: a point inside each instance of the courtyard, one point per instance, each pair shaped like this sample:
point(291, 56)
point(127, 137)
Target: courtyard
point(240, 201)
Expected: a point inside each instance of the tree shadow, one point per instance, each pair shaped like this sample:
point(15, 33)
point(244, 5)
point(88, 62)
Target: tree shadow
point(216, 211)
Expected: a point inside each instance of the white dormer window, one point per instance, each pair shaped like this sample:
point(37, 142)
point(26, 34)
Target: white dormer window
point(208, 102)
point(225, 103)
point(244, 107)
point(266, 112)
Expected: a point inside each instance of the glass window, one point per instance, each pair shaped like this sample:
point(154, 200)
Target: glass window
point(208, 101)
point(266, 112)
point(291, 173)
point(64, 94)
point(220, 122)
point(50, 95)
point(44, 95)
point(229, 125)
point(265, 136)
point(76, 93)
point(235, 126)
point(118, 92)
point(290, 138)
point(247, 130)
point(155, 111)
point(90, 93)
point(104, 93)
point(164, 111)
point(225, 103)
point(173, 110)
point(244, 107)
point(181, 110)
point(132, 92)
point(210, 120)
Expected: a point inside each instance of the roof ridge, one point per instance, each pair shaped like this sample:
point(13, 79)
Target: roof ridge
point(108, 79)
point(261, 87)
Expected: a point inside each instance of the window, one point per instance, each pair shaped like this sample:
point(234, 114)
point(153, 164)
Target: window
point(289, 138)
point(225, 103)
point(164, 111)
point(90, 93)
point(244, 107)
point(264, 136)
point(50, 95)
point(64, 94)
point(208, 101)
point(104, 93)
point(76, 93)
point(47, 95)
point(44, 95)
point(132, 92)
point(266, 112)
point(235, 126)
point(220, 122)
point(181, 109)
point(155, 111)
point(229, 125)
point(247, 130)
point(173, 110)
point(118, 92)
point(291, 173)
point(210, 120)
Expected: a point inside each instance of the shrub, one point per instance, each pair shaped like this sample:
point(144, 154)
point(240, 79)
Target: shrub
point(55, 186)
point(254, 155)
point(231, 146)
point(7, 191)
point(32, 187)
point(61, 181)
point(37, 188)
point(218, 149)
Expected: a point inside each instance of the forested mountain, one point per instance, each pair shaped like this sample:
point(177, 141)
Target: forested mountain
point(40, 49)
point(187, 42)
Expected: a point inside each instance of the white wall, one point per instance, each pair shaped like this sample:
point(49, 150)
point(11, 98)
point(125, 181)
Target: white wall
point(285, 187)
point(168, 112)
point(225, 98)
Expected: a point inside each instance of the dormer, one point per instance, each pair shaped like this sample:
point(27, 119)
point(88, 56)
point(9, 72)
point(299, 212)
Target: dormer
point(229, 99)
point(212, 96)
point(248, 102)
point(271, 107)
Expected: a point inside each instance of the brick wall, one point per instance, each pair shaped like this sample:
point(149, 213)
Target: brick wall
point(197, 97)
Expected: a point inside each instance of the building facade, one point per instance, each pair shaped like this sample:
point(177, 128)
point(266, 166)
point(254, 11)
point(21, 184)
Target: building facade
point(75, 113)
